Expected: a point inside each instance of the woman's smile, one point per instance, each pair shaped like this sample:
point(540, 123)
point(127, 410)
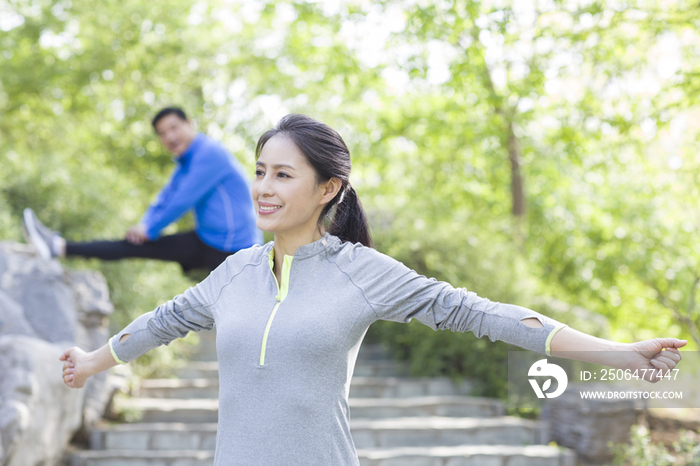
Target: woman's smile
point(267, 209)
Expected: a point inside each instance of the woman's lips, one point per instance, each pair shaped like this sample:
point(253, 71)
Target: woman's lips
point(268, 209)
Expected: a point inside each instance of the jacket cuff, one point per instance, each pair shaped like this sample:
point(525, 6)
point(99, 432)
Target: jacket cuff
point(548, 349)
point(151, 233)
point(114, 355)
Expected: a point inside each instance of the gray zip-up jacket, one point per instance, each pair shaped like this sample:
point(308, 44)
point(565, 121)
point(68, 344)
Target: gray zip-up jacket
point(287, 351)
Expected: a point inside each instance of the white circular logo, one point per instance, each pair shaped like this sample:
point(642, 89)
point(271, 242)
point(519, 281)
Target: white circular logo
point(543, 369)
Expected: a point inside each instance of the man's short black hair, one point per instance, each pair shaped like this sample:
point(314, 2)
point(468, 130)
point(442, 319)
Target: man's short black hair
point(168, 111)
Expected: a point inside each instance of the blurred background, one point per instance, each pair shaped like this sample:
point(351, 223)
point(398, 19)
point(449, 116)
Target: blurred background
point(543, 153)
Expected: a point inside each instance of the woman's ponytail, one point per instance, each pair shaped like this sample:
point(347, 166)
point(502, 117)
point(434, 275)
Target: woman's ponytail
point(349, 221)
point(327, 153)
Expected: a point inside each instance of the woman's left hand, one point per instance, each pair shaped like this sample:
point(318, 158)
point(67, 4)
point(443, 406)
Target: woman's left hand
point(659, 354)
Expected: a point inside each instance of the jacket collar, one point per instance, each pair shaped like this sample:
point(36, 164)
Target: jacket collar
point(326, 242)
point(191, 149)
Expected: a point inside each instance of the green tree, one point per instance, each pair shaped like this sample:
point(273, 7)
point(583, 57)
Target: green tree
point(519, 149)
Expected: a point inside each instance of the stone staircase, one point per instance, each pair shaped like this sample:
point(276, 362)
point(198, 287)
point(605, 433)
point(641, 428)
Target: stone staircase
point(395, 421)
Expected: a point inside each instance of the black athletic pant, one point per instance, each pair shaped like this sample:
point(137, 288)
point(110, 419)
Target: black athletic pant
point(185, 248)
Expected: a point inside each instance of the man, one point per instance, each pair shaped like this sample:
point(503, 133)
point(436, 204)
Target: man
point(206, 180)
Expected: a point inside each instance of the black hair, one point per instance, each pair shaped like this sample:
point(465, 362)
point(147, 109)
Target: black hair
point(168, 111)
point(327, 153)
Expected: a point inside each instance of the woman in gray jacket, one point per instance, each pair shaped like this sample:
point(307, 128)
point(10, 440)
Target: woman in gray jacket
point(291, 315)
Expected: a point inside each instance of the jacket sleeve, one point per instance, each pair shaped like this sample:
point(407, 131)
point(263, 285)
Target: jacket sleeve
point(193, 310)
point(397, 293)
point(202, 175)
point(159, 201)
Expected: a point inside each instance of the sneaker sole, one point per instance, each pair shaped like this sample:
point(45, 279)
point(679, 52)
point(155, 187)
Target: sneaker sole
point(36, 239)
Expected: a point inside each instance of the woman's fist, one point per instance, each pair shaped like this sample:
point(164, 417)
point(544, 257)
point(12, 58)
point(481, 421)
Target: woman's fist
point(657, 356)
point(76, 369)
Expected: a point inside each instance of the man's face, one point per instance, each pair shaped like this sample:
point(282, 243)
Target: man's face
point(175, 133)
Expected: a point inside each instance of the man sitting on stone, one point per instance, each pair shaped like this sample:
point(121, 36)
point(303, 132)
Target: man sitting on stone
point(206, 180)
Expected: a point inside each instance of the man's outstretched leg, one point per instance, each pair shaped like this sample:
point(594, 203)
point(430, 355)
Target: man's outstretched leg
point(185, 248)
point(48, 243)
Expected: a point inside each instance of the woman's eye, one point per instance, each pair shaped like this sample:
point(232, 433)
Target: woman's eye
point(259, 173)
point(282, 175)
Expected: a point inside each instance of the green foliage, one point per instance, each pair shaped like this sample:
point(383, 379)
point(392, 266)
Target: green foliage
point(435, 100)
point(121, 411)
point(642, 452)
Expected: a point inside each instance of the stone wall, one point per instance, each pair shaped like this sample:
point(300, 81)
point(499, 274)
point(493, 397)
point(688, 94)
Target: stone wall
point(589, 426)
point(44, 310)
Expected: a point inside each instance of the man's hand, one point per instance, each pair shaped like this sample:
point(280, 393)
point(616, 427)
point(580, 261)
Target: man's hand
point(137, 234)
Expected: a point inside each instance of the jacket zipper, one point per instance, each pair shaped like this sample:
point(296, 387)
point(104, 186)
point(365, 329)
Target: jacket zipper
point(281, 294)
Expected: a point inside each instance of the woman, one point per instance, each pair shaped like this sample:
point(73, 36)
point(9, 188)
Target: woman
point(291, 315)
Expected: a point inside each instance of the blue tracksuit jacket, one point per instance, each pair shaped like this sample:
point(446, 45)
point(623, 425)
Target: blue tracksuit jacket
point(209, 181)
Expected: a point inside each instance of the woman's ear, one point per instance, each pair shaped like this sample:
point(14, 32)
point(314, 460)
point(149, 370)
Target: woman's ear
point(330, 189)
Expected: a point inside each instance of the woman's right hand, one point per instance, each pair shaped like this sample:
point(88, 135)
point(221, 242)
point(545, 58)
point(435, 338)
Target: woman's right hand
point(76, 369)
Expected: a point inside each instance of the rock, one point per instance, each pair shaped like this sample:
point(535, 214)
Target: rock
point(39, 414)
point(91, 296)
point(586, 425)
point(39, 289)
point(12, 320)
point(43, 311)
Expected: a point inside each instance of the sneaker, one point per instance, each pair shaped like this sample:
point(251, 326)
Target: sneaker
point(44, 240)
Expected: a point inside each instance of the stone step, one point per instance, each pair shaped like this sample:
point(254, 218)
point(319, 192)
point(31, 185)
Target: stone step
point(199, 370)
point(378, 368)
point(207, 339)
point(178, 388)
point(372, 351)
point(145, 436)
point(361, 387)
point(141, 458)
point(466, 455)
point(469, 455)
point(402, 387)
point(203, 356)
point(174, 410)
point(443, 431)
point(367, 434)
point(206, 409)
point(367, 350)
point(425, 406)
point(205, 350)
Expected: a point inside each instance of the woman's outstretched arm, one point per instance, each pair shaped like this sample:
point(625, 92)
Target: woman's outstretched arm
point(398, 293)
point(193, 310)
point(190, 311)
point(79, 365)
point(648, 355)
point(657, 354)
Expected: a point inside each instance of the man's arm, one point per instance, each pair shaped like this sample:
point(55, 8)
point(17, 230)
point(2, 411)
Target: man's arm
point(137, 234)
point(203, 175)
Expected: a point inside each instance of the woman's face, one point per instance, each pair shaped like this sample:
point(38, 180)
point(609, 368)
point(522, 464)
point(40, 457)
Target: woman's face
point(287, 198)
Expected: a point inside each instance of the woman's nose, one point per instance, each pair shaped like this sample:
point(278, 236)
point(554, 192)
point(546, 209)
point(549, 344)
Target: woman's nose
point(265, 186)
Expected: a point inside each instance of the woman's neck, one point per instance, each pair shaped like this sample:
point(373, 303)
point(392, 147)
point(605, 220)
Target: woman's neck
point(287, 244)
